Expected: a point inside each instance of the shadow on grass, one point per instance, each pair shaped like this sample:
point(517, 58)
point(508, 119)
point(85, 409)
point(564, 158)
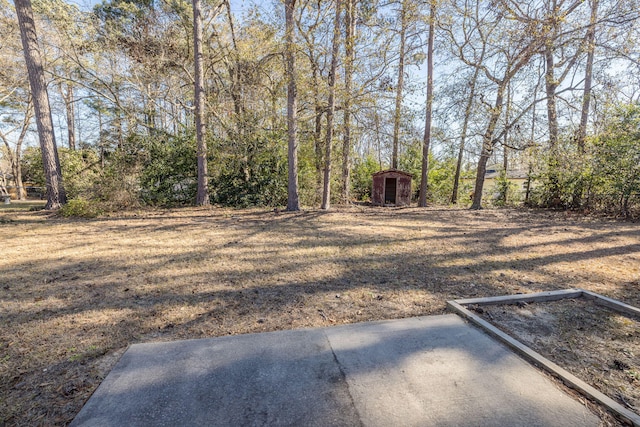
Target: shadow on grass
point(254, 271)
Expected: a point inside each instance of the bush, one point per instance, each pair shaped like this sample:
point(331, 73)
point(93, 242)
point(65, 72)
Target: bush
point(506, 191)
point(81, 208)
point(362, 177)
point(169, 172)
point(252, 172)
point(604, 178)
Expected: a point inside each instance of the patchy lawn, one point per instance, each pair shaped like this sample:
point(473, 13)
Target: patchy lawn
point(75, 293)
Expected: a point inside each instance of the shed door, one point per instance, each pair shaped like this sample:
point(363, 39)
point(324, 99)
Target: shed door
point(390, 191)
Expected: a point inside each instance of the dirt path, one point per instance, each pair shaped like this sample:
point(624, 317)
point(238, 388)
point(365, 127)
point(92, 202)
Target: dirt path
point(75, 293)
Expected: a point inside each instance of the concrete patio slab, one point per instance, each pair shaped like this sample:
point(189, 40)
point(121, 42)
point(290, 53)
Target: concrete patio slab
point(425, 371)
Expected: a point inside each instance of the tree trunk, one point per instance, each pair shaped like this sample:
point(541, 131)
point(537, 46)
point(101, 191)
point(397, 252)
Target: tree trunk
point(68, 98)
point(552, 118)
point(326, 191)
point(17, 168)
point(293, 203)
point(202, 196)
point(588, 76)
point(505, 144)
point(424, 179)
point(463, 136)
point(551, 84)
point(14, 155)
point(350, 27)
point(56, 195)
point(586, 98)
point(487, 146)
point(400, 86)
point(317, 132)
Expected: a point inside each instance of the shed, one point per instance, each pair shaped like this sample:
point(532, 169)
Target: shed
point(391, 187)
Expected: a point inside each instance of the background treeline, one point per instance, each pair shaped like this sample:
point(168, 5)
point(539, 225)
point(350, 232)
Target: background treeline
point(547, 89)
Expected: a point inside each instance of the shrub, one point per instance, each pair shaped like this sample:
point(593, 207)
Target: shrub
point(81, 208)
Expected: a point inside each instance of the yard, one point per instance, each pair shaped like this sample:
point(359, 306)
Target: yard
point(75, 293)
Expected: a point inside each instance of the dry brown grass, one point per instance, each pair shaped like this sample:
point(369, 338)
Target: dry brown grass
point(75, 293)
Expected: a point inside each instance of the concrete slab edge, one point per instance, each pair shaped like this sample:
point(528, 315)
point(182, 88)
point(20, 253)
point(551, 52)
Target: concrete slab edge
point(537, 359)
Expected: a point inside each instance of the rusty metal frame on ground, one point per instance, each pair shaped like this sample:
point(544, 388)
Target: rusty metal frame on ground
point(459, 306)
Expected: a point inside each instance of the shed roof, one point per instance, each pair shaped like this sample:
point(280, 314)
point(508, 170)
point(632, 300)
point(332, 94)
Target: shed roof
point(394, 171)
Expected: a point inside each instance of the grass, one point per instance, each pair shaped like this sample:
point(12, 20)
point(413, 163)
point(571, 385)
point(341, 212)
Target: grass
point(74, 293)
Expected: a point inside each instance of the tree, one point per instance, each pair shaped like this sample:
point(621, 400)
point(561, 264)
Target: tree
point(293, 202)
point(56, 195)
point(202, 196)
point(426, 142)
point(506, 47)
point(15, 154)
point(463, 133)
point(349, 42)
point(326, 190)
point(400, 83)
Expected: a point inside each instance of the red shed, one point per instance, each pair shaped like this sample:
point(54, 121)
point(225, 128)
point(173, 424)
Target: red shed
point(391, 187)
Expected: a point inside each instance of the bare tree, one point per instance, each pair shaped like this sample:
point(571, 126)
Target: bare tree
point(504, 54)
point(56, 195)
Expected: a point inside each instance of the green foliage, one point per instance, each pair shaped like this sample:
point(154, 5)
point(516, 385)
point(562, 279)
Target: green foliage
point(169, 173)
point(32, 168)
point(605, 178)
point(81, 208)
point(506, 191)
point(616, 159)
point(411, 160)
point(441, 173)
point(361, 177)
point(80, 169)
point(118, 184)
point(309, 187)
point(252, 172)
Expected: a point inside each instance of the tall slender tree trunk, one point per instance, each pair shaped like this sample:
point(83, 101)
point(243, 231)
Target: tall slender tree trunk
point(588, 76)
point(69, 104)
point(376, 119)
point(426, 143)
point(56, 195)
point(17, 167)
point(293, 202)
point(350, 28)
point(551, 84)
point(317, 131)
point(552, 119)
point(487, 146)
point(400, 85)
point(463, 136)
point(202, 196)
point(326, 191)
point(586, 99)
point(505, 141)
point(16, 154)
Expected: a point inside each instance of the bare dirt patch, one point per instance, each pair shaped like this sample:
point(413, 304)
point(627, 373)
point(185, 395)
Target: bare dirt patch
point(75, 293)
point(597, 344)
